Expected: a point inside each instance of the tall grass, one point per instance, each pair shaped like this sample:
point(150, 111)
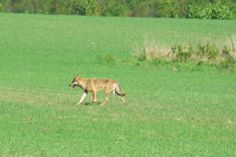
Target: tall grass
point(207, 52)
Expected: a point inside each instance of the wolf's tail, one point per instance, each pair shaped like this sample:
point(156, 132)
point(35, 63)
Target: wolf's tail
point(118, 91)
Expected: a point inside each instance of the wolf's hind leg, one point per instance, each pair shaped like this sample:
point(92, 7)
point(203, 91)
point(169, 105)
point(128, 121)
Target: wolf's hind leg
point(94, 98)
point(106, 99)
point(123, 99)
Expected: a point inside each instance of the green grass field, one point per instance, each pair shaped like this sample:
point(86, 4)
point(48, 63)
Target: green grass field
point(171, 111)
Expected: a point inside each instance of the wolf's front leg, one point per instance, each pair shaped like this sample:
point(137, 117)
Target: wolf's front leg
point(82, 98)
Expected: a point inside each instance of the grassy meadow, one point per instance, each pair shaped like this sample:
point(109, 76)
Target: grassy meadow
point(177, 110)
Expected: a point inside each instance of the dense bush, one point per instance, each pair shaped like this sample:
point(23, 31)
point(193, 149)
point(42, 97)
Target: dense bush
point(210, 11)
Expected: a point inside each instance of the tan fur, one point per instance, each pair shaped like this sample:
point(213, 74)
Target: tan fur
point(94, 85)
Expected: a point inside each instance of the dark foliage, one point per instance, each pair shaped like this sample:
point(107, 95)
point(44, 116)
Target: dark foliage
point(217, 9)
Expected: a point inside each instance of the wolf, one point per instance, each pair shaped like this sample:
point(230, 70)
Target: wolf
point(94, 85)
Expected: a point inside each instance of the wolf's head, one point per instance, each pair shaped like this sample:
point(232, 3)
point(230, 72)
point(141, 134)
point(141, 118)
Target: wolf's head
point(74, 82)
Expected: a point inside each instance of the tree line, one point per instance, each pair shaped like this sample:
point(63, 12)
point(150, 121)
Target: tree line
point(133, 8)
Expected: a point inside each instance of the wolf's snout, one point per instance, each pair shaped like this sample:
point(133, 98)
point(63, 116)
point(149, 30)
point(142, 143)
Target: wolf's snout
point(72, 85)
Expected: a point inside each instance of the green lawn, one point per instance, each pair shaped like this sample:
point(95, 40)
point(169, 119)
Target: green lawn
point(173, 110)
